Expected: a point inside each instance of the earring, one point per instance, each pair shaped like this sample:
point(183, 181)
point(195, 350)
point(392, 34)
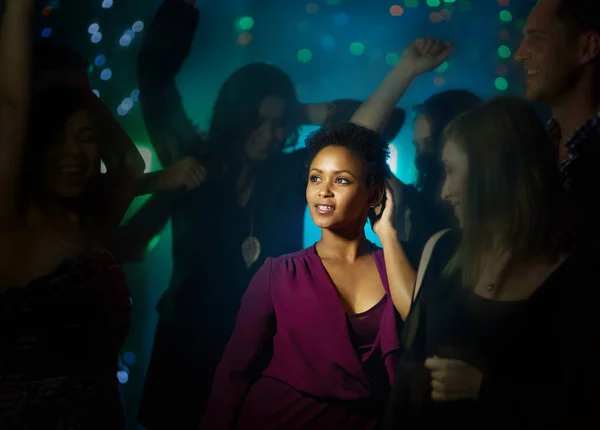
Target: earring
point(372, 205)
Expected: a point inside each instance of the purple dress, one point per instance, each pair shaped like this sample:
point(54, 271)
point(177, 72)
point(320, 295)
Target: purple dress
point(297, 360)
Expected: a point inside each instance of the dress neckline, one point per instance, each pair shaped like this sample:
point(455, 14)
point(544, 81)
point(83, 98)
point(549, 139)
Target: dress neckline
point(332, 289)
point(66, 265)
point(546, 283)
point(371, 310)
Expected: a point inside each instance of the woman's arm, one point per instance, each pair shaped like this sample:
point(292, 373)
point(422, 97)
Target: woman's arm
point(342, 110)
point(124, 168)
point(245, 356)
point(405, 283)
point(421, 56)
point(130, 240)
point(15, 57)
point(166, 45)
point(187, 173)
point(400, 273)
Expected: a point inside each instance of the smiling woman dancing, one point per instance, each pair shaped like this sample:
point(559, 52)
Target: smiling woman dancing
point(64, 304)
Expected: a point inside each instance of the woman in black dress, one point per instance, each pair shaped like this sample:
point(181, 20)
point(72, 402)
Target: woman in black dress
point(64, 303)
point(501, 333)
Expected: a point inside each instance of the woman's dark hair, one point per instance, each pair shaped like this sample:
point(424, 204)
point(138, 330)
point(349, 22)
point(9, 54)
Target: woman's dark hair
point(51, 108)
point(428, 214)
point(439, 110)
point(367, 144)
point(236, 111)
point(514, 195)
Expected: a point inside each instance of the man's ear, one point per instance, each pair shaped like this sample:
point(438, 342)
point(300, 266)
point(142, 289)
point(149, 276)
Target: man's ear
point(589, 47)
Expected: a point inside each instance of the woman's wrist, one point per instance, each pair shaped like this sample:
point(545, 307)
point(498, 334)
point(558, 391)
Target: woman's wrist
point(405, 71)
point(387, 235)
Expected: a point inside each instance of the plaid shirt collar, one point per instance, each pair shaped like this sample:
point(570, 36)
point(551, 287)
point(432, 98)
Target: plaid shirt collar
point(577, 140)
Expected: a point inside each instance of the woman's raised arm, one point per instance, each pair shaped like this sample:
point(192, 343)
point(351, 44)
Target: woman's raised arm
point(15, 57)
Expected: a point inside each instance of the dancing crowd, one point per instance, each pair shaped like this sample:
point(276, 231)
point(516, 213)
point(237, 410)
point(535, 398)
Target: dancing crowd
point(477, 311)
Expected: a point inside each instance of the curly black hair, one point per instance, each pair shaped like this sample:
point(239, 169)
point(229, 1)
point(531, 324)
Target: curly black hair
point(367, 144)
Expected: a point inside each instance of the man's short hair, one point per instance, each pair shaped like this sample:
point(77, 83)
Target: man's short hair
point(580, 15)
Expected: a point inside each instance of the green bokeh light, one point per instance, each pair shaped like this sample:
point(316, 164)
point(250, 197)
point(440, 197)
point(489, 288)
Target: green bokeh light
point(357, 48)
point(501, 84)
point(304, 55)
point(433, 3)
point(246, 23)
point(504, 51)
point(392, 58)
point(411, 3)
point(464, 5)
point(506, 16)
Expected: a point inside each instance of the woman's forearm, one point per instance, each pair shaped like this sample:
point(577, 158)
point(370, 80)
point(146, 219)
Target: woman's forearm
point(15, 47)
point(121, 156)
point(401, 275)
point(374, 112)
point(15, 57)
point(157, 182)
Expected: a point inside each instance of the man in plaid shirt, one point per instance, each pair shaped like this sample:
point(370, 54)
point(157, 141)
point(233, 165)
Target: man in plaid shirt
point(561, 53)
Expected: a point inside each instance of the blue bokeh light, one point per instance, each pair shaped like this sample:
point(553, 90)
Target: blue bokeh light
point(100, 60)
point(96, 37)
point(125, 40)
point(328, 42)
point(122, 376)
point(137, 26)
point(129, 358)
point(341, 19)
point(127, 103)
point(106, 74)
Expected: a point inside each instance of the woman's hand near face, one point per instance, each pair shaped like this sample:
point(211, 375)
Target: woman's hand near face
point(453, 380)
point(385, 224)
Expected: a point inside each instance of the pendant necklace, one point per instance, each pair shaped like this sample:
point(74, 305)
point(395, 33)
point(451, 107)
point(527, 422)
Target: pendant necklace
point(251, 245)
